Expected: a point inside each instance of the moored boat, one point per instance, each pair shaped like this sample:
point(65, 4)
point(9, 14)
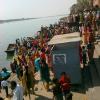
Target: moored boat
point(11, 49)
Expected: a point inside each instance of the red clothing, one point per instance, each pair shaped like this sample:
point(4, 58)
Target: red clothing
point(43, 56)
point(65, 83)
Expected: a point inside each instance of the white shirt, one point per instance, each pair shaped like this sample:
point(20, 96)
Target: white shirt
point(18, 93)
point(4, 83)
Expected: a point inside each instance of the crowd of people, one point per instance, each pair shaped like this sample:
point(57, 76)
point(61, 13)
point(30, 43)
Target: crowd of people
point(34, 55)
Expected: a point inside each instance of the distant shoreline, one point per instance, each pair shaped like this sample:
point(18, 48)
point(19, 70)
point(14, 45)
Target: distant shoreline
point(13, 20)
point(22, 19)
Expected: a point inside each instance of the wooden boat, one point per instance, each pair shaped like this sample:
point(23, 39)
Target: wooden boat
point(11, 49)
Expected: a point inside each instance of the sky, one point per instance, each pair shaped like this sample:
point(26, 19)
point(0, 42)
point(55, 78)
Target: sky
point(33, 8)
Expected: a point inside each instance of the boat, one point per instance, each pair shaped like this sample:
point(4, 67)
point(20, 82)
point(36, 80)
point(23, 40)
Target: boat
point(10, 49)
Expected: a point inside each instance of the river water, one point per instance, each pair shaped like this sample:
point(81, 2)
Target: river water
point(10, 31)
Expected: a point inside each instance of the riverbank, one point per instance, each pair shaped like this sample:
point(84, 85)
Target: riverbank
point(22, 19)
point(10, 31)
point(28, 52)
point(13, 20)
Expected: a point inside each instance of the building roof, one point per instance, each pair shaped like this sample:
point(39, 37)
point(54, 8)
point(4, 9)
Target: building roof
point(65, 38)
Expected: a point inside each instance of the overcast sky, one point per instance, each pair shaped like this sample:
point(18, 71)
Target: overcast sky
point(33, 8)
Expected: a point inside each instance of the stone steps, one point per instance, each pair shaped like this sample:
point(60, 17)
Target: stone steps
point(94, 74)
point(97, 58)
point(99, 43)
point(93, 91)
point(97, 49)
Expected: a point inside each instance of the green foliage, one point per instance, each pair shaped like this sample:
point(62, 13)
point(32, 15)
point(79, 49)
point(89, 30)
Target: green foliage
point(80, 6)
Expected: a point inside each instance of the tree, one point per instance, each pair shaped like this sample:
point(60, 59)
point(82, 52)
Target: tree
point(80, 6)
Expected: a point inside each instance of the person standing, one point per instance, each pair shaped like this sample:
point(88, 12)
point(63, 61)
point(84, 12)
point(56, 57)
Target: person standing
point(65, 84)
point(4, 85)
point(90, 48)
point(57, 91)
point(17, 91)
point(84, 56)
point(45, 74)
point(28, 81)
